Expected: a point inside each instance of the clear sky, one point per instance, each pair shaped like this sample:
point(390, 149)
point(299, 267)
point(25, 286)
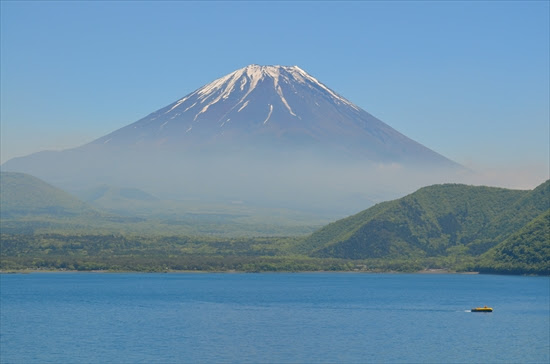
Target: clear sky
point(467, 79)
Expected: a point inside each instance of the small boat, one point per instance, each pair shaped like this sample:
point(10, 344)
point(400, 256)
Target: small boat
point(482, 309)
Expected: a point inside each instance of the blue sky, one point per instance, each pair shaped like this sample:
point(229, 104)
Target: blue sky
point(469, 80)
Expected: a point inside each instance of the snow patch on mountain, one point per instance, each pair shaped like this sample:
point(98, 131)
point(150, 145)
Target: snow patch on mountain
point(301, 76)
point(178, 103)
point(280, 93)
point(243, 106)
point(244, 81)
point(269, 115)
point(190, 107)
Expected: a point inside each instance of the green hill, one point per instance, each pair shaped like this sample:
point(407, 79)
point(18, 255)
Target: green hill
point(523, 211)
point(24, 195)
point(435, 221)
point(525, 251)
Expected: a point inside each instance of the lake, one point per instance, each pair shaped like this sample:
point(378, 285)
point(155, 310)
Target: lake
point(282, 318)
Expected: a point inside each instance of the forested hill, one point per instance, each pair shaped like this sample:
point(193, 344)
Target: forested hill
point(441, 220)
point(525, 251)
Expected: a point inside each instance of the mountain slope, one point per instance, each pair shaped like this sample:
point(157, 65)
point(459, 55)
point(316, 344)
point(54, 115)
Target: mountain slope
point(525, 251)
point(22, 194)
point(516, 216)
point(431, 221)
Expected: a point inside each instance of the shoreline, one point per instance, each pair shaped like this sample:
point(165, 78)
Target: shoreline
point(421, 272)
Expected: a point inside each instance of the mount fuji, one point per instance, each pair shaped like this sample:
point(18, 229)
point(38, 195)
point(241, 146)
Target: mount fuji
point(260, 132)
point(271, 106)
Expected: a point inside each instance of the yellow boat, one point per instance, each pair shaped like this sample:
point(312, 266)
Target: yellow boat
point(482, 309)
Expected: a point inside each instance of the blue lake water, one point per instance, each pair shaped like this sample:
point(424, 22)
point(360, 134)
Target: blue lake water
point(305, 317)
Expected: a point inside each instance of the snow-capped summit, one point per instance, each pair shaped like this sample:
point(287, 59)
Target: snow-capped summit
point(247, 79)
point(271, 105)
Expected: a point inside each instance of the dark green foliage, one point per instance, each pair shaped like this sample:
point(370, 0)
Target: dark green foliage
point(523, 211)
point(525, 251)
point(155, 254)
point(378, 233)
point(115, 244)
point(435, 221)
point(177, 253)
